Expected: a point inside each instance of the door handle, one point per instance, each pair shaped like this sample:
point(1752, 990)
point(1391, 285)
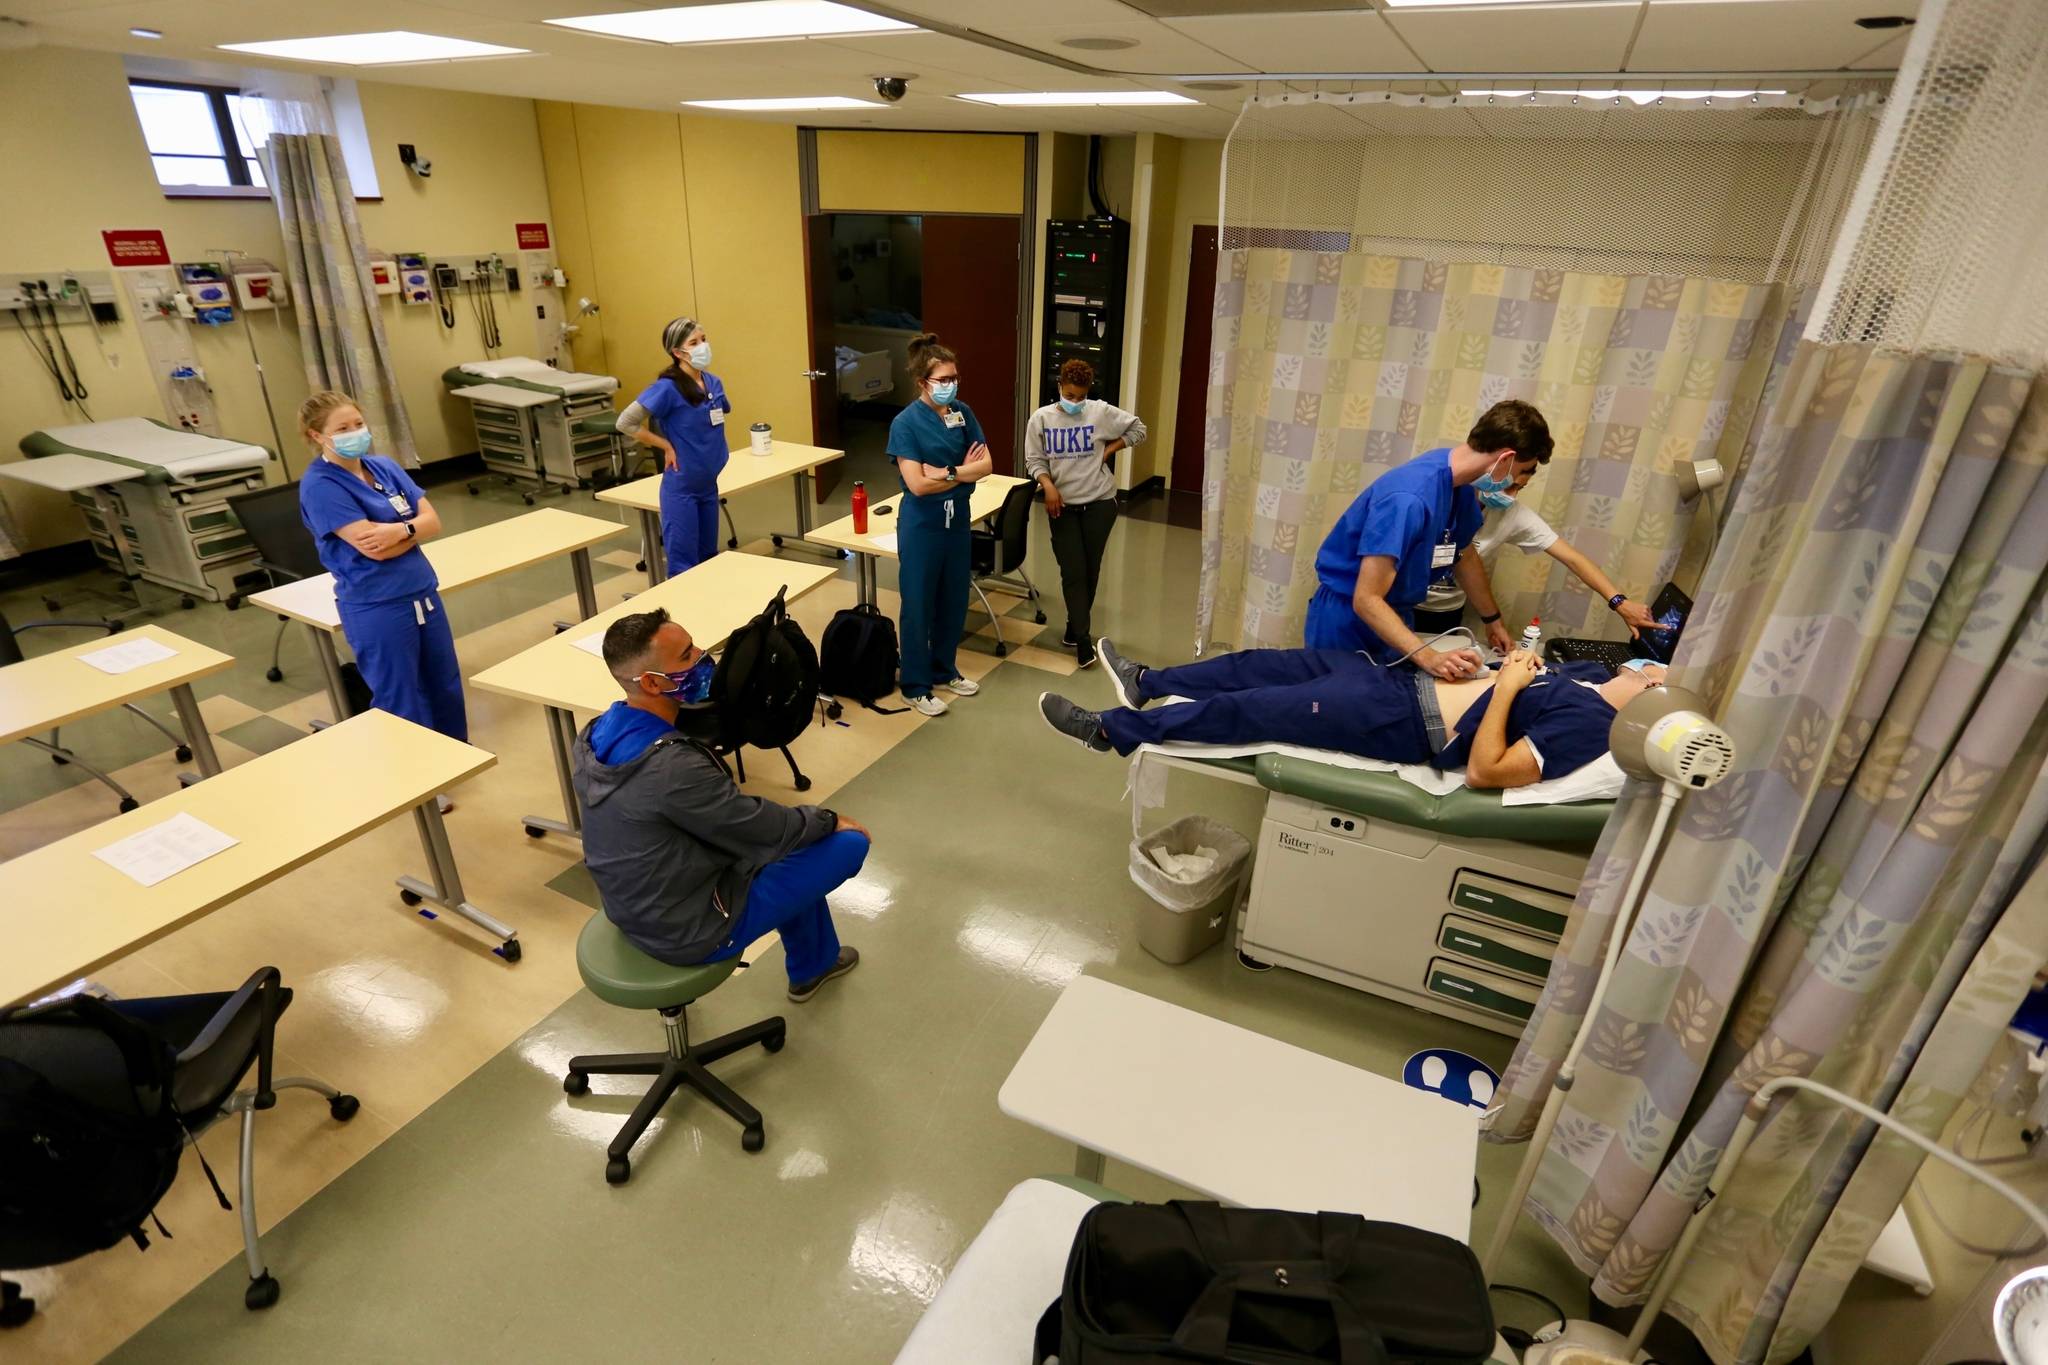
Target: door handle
point(814, 374)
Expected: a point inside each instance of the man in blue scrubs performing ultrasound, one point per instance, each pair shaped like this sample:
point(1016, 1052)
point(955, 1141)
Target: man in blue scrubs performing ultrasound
point(1527, 723)
point(1413, 522)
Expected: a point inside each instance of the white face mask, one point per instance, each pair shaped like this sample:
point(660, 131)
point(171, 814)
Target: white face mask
point(700, 355)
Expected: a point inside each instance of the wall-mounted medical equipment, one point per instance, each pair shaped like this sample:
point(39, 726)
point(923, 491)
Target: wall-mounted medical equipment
point(208, 291)
point(384, 275)
point(163, 312)
point(526, 415)
point(1085, 292)
point(44, 304)
point(415, 281)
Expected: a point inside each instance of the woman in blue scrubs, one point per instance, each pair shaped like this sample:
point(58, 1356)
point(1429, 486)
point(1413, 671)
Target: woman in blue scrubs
point(940, 452)
point(688, 406)
point(368, 520)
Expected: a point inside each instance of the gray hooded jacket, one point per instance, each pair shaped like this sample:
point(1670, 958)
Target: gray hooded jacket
point(673, 843)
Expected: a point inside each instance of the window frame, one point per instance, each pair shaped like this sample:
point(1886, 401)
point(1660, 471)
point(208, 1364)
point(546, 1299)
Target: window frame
point(240, 183)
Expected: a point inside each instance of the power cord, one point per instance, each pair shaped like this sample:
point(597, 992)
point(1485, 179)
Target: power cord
point(2033, 1248)
point(1517, 1337)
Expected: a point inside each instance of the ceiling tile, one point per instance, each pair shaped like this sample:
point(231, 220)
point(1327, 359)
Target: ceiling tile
point(1755, 35)
point(1885, 56)
point(1519, 37)
point(1358, 41)
point(1156, 50)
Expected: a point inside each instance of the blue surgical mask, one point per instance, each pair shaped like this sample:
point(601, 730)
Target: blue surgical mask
point(352, 445)
point(1495, 497)
point(942, 394)
point(1639, 665)
point(1072, 409)
point(700, 355)
point(1489, 483)
point(693, 684)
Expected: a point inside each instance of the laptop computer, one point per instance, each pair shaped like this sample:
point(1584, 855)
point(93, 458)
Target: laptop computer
point(1671, 609)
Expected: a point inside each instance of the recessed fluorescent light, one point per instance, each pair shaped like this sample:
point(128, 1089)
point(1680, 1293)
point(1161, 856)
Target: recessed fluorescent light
point(1078, 98)
point(374, 49)
point(145, 33)
point(1448, 4)
point(1632, 96)
point(738, 23)
point(792, 102)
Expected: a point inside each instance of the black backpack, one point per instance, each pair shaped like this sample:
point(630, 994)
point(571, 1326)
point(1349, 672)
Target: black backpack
point(89, 1138)
point(1193, 1281)
point(860, 657)
point(765, 690)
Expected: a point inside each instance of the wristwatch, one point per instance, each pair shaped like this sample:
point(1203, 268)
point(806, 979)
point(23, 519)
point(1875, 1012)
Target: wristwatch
point(1486, 620)
point(1614, 602)
point(410, 532)
point(952, 474)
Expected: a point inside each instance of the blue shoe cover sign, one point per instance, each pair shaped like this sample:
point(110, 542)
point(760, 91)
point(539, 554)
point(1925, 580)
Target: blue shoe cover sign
point(1457, 1076)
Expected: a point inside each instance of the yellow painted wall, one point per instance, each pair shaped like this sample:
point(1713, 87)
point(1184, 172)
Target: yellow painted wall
point(1192, 200)
point(563, 164)
point(920, 172)
point(1160, 324)
point(74, 151)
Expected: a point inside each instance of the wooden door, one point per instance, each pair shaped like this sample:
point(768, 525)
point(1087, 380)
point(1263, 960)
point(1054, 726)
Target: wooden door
point(970, 300)
point(1191, 407)
point(824, 369)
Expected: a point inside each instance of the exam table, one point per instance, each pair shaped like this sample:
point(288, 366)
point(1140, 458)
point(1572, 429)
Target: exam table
point(154, 498)
point(1453, 903)
point(530, 419)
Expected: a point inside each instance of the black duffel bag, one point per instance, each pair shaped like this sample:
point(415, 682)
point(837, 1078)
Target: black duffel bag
point(1193, 1281)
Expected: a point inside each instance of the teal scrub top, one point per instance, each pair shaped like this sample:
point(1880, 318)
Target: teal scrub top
point(919, 433)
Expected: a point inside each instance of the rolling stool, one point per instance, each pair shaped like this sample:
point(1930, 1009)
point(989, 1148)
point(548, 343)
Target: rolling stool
point(620, 974)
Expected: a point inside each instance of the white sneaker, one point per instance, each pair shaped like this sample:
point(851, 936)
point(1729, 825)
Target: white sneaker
point(962, 687)
point(927, 705)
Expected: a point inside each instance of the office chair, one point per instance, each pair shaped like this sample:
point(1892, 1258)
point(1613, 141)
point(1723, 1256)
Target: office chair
point(10, 653)
point(216, 1038)
point(284, 548)
point(1000, 550)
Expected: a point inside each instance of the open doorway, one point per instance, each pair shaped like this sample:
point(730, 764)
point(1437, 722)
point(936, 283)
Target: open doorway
point(879, 279)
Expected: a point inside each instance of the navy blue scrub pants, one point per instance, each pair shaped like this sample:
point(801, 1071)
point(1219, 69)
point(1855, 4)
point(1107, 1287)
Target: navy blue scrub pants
point(406, 652)
point(788, 896)
point(689, 524)
point(933, 577)
point(1316, 698)
point(1334, 624)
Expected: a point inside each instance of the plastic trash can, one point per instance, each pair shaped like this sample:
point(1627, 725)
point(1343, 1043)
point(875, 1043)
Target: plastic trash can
point(1182, 917)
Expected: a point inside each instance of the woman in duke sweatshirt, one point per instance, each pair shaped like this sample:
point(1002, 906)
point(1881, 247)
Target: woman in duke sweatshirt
point(1068, 448)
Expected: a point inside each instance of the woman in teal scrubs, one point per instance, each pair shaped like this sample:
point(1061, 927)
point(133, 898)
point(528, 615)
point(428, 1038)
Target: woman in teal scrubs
point(940, 452)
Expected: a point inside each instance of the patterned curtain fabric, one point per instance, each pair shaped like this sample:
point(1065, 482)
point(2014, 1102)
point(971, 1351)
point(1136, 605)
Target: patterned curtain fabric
point(1331, 367)
point(1873, 633)
point(341, 331)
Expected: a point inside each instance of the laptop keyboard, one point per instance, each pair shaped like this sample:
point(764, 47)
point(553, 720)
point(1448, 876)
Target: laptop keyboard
point(1613, 653)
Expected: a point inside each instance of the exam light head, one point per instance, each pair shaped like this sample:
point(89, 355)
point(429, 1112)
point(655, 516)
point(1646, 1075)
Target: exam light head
point(2019, 1319)
point(1663, 735)
point(1698, 476)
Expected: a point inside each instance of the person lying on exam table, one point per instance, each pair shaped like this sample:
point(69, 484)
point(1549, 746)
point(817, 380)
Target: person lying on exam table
point(1412, 522)
point(1527, 723)
point(368, 520)
point(688, 407)
point(690, 868)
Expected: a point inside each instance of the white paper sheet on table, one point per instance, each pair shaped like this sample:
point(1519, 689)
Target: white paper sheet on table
point(885, 542)
point(591, 644)
point(151, 855)
point(128, 655)
point(1600, 780)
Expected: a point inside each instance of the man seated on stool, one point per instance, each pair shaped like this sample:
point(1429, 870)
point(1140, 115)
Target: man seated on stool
point(1523, 725)
point(691, 868)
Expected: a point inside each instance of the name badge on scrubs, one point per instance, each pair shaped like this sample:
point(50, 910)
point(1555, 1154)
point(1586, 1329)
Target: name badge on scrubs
point(718, 417)
point(399, 504)
point(955, 418)
point(1443, 556)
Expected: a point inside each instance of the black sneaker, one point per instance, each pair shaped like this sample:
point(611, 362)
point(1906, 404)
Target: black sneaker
point(1067, 636)
point(800, 991)
point(1123, 674)
point(1084, 655)
point(1083, 727)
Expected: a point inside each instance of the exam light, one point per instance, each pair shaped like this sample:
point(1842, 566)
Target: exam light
point(1698, 476)
point(750, 21)
point(1077, 99)
point(374, 49)
point(1663, 735)
point(763, 106)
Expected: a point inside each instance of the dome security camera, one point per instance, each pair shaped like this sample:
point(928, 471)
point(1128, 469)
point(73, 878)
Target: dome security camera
point(891, 88)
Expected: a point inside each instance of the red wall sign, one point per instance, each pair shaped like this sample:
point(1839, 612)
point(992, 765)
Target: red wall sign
point(532, 236)
point(136, 246)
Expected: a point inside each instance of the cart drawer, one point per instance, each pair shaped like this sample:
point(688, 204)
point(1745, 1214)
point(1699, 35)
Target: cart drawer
point(1503, 949)
point(1476, 988)
point(1528, 907)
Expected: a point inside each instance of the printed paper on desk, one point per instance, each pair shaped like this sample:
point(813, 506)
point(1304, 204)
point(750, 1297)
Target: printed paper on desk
point(165, 850)
point(591, 644)
point(886, 544)
point(128, 655)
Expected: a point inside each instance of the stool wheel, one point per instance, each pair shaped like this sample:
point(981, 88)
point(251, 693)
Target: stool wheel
point(274, 674)
point(576, 1083)
point(409, 897)
point(753, 1138)
point(183, 753)
point(261, 1293)
point(1001, 650)
point(641, 565)
point(835, 711)
point(59, 759)
point(1252, 964)
point(777, 540)
point(129, 803)
point(1039, 617)
point(527, 498)
point(774, 1041)
point(803, 784)
point(343, 1107)
point(534, 832)
point(617, 1171)
point(510, 950)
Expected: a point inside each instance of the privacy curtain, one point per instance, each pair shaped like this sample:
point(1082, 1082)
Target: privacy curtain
point(341, 331)
point(1873, 635)
point(1332, 367)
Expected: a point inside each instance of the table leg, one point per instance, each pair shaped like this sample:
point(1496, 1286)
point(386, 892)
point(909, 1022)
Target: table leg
point(446, 888)
point(330, 668)
point(800, 541)
point(586, 586)
point(650, 547)
point(561, 739)
point(196, 738)
point(1088, 1165)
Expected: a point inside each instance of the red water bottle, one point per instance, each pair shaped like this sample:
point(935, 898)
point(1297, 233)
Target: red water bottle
point(860, 508)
